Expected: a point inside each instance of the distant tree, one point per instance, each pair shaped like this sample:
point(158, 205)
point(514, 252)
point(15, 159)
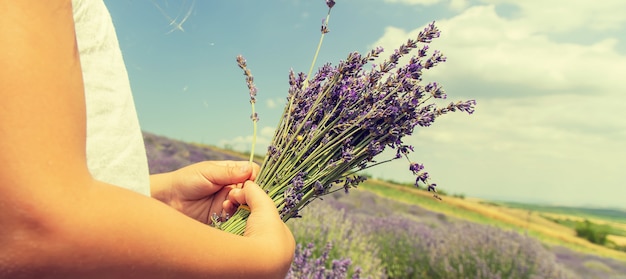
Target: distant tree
point(592, 232)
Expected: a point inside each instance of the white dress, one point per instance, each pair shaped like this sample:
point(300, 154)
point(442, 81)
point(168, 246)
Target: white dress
point(115, 148)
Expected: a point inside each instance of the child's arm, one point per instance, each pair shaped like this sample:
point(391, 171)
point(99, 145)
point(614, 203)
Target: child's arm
point(56, 221)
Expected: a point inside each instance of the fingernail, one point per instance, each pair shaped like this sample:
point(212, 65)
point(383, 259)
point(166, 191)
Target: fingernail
point(245, 168)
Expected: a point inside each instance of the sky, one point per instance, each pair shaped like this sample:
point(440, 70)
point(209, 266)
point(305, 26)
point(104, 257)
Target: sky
point(548, 77)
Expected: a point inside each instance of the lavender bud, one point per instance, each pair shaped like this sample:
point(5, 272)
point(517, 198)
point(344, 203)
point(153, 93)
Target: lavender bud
point(319, 188)
point(241, 62)
point(254, 117)
point(330, 3)
point(416, 168)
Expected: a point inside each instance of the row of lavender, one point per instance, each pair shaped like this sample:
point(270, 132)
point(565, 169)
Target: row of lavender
point(377, 238)
point(361, 235)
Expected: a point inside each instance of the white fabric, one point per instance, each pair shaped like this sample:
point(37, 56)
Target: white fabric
point(115, 149)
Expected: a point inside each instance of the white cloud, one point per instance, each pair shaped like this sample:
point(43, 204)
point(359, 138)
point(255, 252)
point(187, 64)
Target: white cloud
point(453, 4)
point(522, 151)
point(567, 15)
point(458, 5)
point(481, 45)
point(244, 143)
point(266, 133)
point(274, 103)
point(550, 117)
point(270, 103)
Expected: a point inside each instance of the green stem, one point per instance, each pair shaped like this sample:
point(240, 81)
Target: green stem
point(317, 51)
point(237, 223)
point(254, 132)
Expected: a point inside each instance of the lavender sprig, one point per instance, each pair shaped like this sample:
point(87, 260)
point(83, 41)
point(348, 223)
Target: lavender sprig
point(324, 30)
point(241, 62)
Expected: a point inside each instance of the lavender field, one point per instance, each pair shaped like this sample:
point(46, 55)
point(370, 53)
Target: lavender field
point(365, 234)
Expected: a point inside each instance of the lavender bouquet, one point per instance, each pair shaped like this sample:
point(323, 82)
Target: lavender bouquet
point(337, 121)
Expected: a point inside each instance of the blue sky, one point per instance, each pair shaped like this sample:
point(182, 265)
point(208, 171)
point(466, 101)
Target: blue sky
point(550, 125)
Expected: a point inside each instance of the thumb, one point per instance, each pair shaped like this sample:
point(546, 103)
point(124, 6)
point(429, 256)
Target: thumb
point(229, 173)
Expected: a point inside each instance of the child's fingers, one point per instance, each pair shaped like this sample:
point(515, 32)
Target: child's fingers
point(264, 223)
point(264, 216)
point(253, 196)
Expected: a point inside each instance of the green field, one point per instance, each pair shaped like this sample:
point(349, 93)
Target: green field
point(536, 220)
point(608, 214)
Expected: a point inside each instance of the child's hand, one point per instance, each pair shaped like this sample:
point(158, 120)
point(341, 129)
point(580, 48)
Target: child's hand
point(264, 225)
point(200, 190)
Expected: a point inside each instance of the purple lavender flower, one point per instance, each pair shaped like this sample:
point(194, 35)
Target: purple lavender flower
point(273, 152)
point(435, 90)
point(429, 33)
point(241, 62)
point(404, 150)
point(421, 177)
point(357, 273)
point(324, 28)
point(416, 168)
point(467, 106)
point(352, 182)
point(319, 188)
point(422, 51)
point(346, 152)
point(340, 268)
point(254, 116)
point(330, 3)
point(292, 196)
point(305, 266)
